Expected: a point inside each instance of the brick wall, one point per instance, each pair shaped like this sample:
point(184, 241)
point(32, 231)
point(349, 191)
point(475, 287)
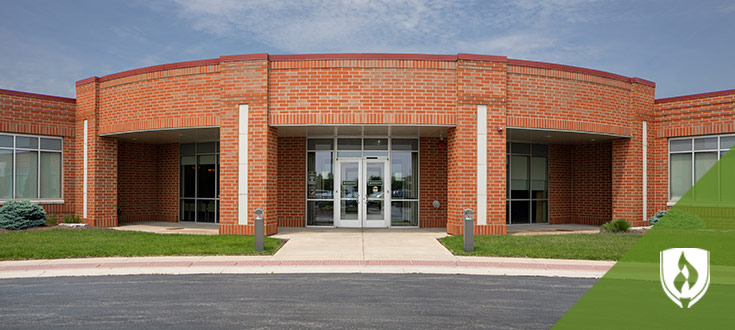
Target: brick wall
point(592, 183)
point(36, 114)
point(580, 183)
point(291, 182)
point(432, 183)
point(170, 98)
point(560, 183)
point(362, 91)
point(148, 182)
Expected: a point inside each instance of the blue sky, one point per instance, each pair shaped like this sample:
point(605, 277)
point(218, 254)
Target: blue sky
point(686, 47)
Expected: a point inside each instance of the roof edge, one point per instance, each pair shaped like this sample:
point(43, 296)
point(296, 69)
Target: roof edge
point(695, 96)
point(363, 56)
point(576, 69)
point(367, 56)
point(38, 96)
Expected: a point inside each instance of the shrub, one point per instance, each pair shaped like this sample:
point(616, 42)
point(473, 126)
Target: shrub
point(618, 225)
point(51, 220)
point(679, 219)
point(72, 218)
point(15, 215)
point(656, 217)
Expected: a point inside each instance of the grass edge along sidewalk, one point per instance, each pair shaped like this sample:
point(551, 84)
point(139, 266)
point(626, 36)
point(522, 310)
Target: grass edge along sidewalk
point(601, 246)
point(75, 243)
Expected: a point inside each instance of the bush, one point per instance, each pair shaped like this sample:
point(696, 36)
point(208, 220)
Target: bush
point(15, 215)
point(678, 219)
point(656, 217)
point(618, 225)
point(73, 218)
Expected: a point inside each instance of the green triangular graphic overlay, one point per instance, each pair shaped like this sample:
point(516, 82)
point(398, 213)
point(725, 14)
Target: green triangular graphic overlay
point(631, 294)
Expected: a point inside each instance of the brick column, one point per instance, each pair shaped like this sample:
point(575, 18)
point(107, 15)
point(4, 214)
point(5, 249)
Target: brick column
point(101, 177)
point(481, 81)
point(244, 81)
point(627, 158)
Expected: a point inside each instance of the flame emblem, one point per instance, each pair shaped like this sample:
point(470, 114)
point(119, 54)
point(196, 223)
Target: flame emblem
point(685, 275)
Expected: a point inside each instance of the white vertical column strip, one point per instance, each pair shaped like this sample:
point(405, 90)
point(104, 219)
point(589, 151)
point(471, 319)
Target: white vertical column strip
point(645, 170)
point(242, 165)
point(481, 214)
point(85, 167)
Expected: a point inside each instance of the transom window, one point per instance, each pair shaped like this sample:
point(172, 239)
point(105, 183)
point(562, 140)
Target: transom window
point(30, 167)
point(690, 158)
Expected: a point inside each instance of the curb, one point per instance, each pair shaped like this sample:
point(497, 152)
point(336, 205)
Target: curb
point(258, 265)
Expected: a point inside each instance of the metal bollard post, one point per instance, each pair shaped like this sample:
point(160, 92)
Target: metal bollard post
point(469, 231)
point(259, 230)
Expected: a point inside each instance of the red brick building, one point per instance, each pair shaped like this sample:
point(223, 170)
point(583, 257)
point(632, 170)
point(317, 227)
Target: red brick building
point(360, 140)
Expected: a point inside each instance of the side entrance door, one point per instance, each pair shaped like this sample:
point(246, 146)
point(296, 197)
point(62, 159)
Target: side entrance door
point(362, 186)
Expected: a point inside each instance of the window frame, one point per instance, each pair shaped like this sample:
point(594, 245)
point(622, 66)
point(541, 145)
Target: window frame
point(718, 150)
point(39, 150)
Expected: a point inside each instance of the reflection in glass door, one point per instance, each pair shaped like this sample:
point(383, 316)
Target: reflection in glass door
point(349, 193)
point(361, 191)
point(374, 192)
point(199, 182)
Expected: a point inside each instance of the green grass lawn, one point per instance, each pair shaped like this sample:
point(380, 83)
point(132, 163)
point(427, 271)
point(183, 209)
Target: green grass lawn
point(75, 243)
point(566, 246)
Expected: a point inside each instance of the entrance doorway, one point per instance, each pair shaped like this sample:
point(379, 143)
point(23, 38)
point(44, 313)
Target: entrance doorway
point(361, 193)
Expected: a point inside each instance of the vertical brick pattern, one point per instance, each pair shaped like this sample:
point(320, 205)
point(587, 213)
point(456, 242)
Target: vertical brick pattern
point(291, 182)
point(432, 183)
point(148, 182)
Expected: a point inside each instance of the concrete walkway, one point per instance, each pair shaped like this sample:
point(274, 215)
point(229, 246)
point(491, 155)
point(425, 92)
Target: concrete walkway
point(362, 244)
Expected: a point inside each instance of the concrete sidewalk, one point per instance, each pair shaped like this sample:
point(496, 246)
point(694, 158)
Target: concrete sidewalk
point(315, 250)
point(272, 265)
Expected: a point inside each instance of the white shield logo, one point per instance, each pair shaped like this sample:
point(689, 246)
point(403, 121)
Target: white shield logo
point(685, 275)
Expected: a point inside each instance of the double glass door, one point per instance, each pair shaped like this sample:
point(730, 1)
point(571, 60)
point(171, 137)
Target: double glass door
point(361, 193)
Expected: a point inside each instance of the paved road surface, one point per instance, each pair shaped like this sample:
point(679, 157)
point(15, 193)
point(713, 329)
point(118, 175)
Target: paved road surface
point(288, 301)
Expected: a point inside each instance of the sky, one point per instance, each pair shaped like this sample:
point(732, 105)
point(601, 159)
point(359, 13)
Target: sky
point(686, 47)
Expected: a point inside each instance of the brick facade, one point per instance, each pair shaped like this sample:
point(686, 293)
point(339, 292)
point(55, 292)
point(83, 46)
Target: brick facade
point(148, 182)
point(291, 182)
point(588, 183)
point(580, 183)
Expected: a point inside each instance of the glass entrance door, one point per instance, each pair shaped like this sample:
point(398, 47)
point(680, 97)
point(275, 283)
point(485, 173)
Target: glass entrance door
point(362, 193)
point(349, 206)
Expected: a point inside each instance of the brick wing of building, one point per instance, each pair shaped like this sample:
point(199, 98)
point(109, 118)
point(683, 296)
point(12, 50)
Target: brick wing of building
point(360, 140)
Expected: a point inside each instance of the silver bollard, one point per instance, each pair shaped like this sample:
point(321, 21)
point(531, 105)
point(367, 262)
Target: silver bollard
point(259, 230)
point(469, 231)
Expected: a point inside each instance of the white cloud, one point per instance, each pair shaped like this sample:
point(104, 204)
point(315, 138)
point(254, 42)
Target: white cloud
point(522, 28)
